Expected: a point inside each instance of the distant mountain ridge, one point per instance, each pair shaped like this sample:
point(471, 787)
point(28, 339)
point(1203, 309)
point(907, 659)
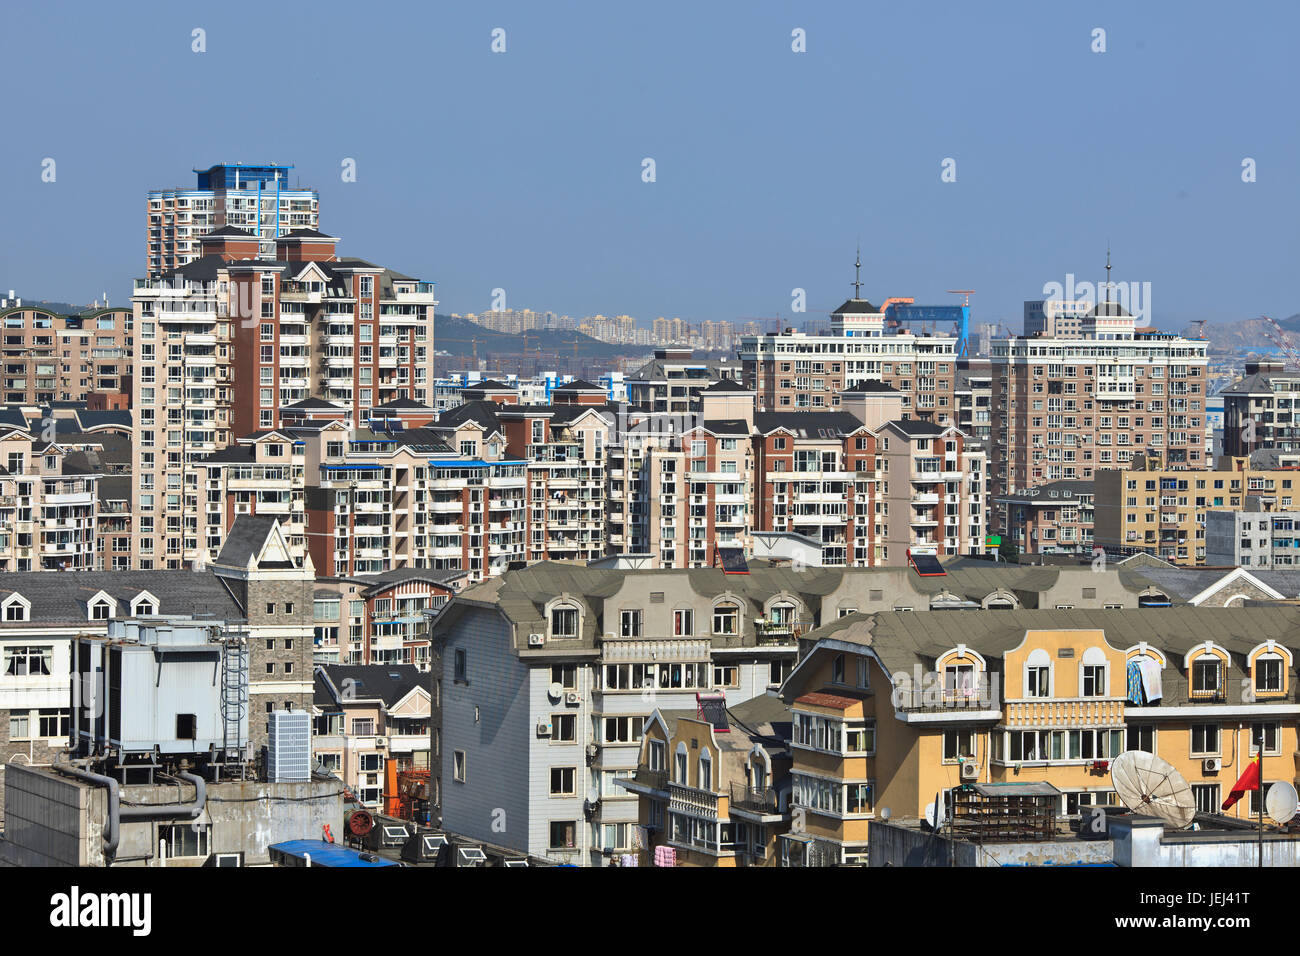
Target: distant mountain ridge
point(461, 337)
point(1245, 334)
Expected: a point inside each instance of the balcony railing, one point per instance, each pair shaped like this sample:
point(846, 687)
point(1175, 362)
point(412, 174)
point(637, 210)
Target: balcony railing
point(655, 779)
point(748, 798)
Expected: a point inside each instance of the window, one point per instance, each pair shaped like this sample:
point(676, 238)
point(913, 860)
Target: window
point(1038, 674)
point(959, 681)
point(53, 722)
point(1207, 677)
point(1269, 734)
point(564, 728)
point(630, 623)
point(657, 755)
point(270, 608)
point(363, 726)
point(186, 727)
point(184, 839)
point(860, 738)
point(706, 772)
point(99, 611)
point(1268, 675)
point(857, 798)
point(726, 619)
point(462, 667)
point(566, 675)
point(370, 763)
point(837, 669)
point(958, 745)
point(564, 621)
point(1094, 681)
point(563, 780)
point(20, 726)
point(16, 611)
point(563, 834)
point(1207, 797)
point(726, 675)
point(28, 661)
point(1142, 738)
point(623, 730)
point(683, 623)
point(1205, 740)
point(460, 765)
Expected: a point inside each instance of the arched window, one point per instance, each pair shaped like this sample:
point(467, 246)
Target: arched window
point(726, 618)
point(565, 621)
point(1092, 674)
point(1038, 674)
point(706, 771)
point(679, 764)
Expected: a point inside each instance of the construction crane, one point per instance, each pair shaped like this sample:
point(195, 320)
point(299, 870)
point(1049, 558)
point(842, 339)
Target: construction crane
point(1200, 328)
point(1279, 337)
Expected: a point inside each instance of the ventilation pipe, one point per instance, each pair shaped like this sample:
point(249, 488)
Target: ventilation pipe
point(112, 825)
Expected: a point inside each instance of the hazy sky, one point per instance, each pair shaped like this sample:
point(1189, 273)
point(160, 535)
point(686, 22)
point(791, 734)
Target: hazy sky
point(523, 170)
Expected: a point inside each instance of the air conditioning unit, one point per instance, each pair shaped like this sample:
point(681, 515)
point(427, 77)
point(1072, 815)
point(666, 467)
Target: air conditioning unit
point(970, 770)
point(536, 640)
point(381, 741)
point(543, 728)
point(572, 697)
point(1211, 765)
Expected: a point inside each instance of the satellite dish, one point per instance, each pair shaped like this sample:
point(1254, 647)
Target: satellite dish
point(935, 815)
point(1281, 802)
point(885, 813)
point(555, 691)
point(1147, 784)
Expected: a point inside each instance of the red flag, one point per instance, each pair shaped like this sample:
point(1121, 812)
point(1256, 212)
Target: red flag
point(1249, 780)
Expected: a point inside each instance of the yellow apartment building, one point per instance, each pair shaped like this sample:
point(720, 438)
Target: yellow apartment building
point(714, 783)
point(893, 711)
point(1148, 508)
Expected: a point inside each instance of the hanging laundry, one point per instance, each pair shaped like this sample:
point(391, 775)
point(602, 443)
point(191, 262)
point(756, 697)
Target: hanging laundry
point(1135, 683)
point(1151, 678)
point(630, 859)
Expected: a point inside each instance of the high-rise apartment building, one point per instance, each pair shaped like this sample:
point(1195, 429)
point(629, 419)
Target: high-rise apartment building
point(1065, 407)
point(1262, 410)
point(795, 371)
point(257, 199)
point(51, 357)
point(230, 340)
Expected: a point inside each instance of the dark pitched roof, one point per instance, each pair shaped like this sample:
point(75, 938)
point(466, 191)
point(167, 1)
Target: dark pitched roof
point(726, 426)
point(727, 385)
point(409, 403)
point(854, 306)
point(307, 234)
point(579, 385)
point(245, 539)
point(387, 682)
point(490, 385)
point(228, 231)
point(807, 424)
point(90, 420)
point(917, 426)
point(485, 413)
point(869, 385)
point(61, 596)
point(313, 402)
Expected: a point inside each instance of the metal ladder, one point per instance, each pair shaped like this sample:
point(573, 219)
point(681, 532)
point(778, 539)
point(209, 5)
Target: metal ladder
point(234, 701)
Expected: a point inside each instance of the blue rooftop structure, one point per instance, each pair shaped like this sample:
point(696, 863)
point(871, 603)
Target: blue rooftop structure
point(295, 853)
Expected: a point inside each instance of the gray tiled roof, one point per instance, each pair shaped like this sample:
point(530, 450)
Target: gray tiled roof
point(61, 596)
point(905, 639)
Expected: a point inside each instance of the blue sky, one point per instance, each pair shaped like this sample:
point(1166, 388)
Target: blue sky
point(523, 170)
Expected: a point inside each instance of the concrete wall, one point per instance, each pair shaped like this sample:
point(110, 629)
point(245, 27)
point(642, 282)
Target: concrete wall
point(1143, 841)
point(59, 821)
point(898, 845)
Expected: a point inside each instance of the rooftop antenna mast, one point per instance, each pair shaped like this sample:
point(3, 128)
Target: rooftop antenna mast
point(857, 275)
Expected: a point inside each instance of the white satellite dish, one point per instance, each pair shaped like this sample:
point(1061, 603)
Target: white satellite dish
point(1281, 803)
point(555, 691)
point(935, 815)
point(1147, 784)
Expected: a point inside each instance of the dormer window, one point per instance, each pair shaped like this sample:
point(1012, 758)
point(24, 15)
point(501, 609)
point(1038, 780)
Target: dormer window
point(17, 609)
point(726, 618)
point(101, 611)
point(564, 621)
point(1207, 678)
point(1268, 675)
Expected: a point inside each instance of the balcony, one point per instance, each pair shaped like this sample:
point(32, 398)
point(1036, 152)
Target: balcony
point(654, 779)
point(703, 803)
point(755, 801)
point(777, 632)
